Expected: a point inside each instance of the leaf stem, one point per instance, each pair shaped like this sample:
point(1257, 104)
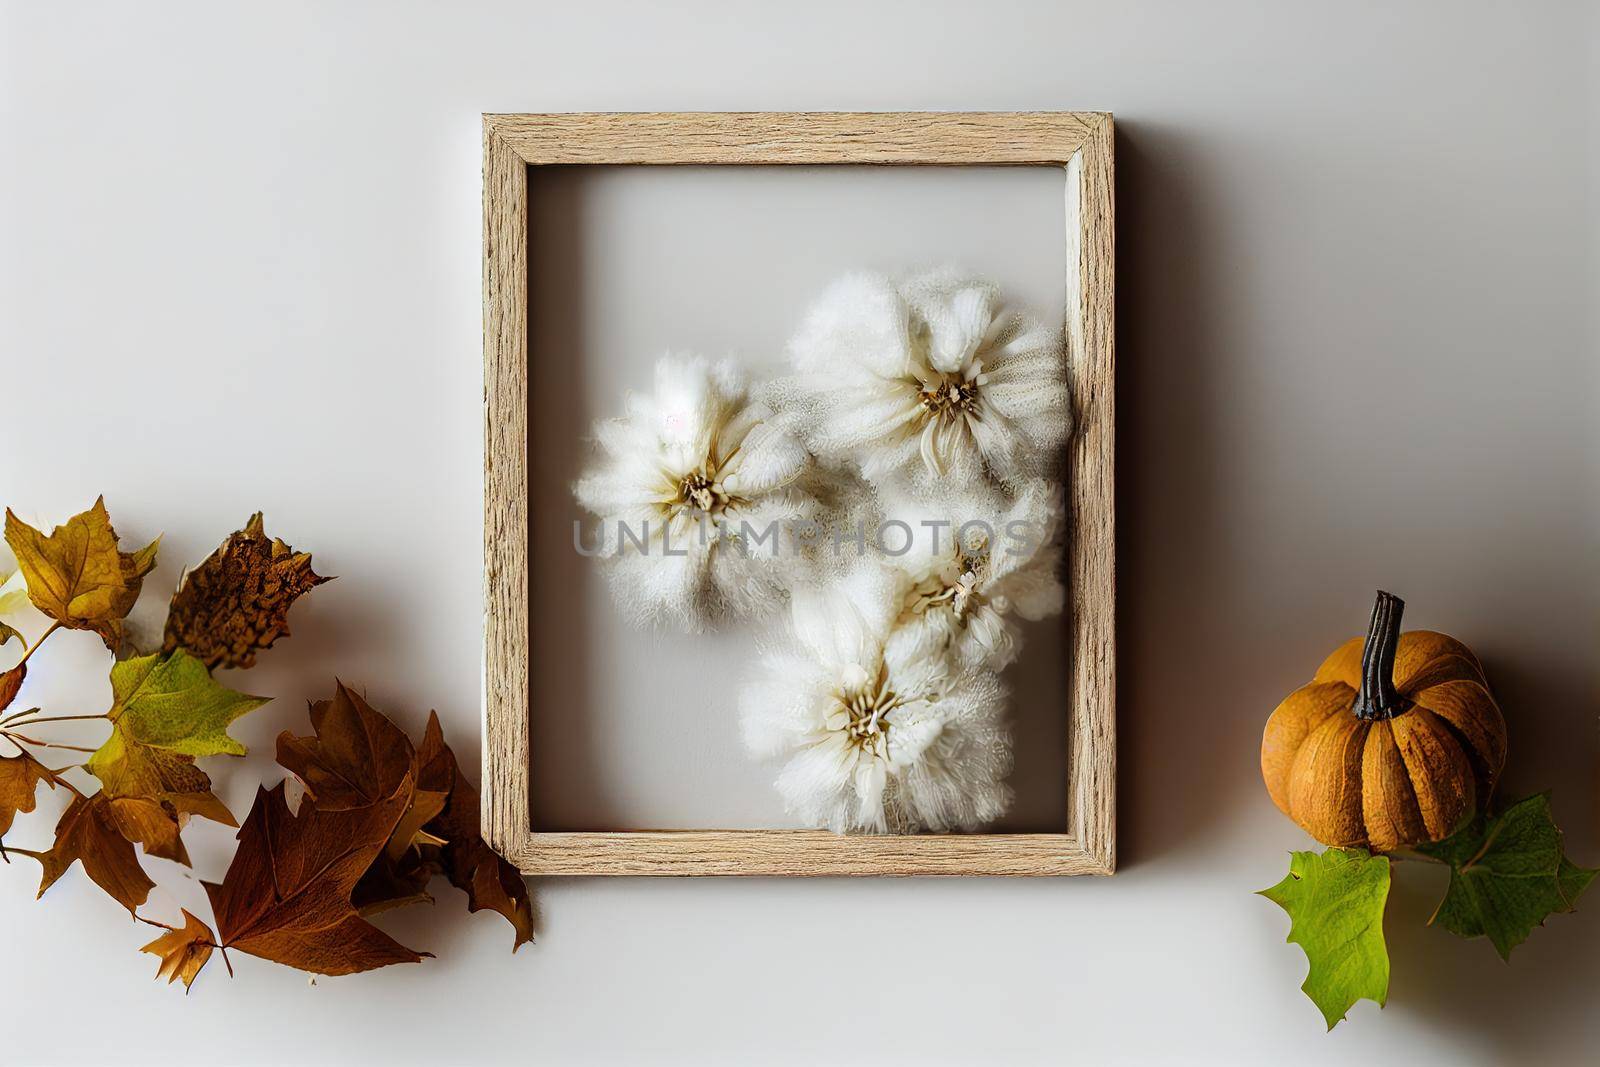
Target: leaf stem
point(14, 737)
point(31, 649)
point(17, 715)
point(203, 941)
point(74, 790)
point(53, 718)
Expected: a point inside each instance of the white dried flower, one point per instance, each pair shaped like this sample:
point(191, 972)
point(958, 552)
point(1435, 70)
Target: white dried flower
point(872, 739)
point(697, 489)
point(973, 567)
point(933, 377)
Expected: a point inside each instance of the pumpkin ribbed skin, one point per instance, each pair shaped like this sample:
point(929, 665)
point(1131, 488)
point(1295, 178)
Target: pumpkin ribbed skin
point(1410, 773)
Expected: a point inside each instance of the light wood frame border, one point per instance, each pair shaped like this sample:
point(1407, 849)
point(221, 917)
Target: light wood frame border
point(1081, 142)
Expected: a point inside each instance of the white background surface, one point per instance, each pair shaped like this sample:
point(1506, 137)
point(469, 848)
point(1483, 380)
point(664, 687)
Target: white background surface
point(240, 269)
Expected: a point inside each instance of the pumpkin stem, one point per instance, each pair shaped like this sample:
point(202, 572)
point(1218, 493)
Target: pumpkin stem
point(1379, 699)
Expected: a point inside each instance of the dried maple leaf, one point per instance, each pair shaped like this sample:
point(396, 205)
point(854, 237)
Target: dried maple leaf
point(155, 824)
point(11, 684)
point(408, 862)
point(183, 952)
point(356, 756)
point(77, 575)
point(286, 896)
point(165, 711)
point(11, 681)
point(389, 884)
point(235, 603)
point(19, 780)
point(87, 832)
point(467, 860)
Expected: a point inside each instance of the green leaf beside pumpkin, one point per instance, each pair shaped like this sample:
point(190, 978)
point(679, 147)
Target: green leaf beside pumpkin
point(1335, 902)
point(1508, 874)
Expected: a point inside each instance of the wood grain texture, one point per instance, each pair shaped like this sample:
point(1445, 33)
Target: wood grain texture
point(1091, 552)
point(505, 486)
point(1081, 142)
point(804, 137)
point(806, 853)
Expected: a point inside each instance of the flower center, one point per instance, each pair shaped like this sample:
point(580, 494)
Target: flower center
point(949, 396)
point(864, 714)
point(956, 585)
point(698, 491)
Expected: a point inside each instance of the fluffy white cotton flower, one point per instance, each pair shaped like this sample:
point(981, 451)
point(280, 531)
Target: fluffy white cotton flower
point(933, 377)
point(698, 488)
point(974, 565)
point(872, 739)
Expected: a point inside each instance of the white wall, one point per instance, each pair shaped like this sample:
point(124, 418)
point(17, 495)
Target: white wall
point(239, 269)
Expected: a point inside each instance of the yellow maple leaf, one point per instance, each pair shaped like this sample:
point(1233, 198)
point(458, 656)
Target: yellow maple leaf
point(77, 575)
point(183, 951)
point(20, 776)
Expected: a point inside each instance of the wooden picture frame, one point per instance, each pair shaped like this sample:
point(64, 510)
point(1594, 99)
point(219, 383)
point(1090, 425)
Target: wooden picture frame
point(1079, 142)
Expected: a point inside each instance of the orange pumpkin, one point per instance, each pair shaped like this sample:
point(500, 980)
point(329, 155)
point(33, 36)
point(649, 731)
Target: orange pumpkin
point(1395, 742)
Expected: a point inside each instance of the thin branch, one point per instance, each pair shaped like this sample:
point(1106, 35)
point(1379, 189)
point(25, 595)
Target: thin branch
point(204, 942)
point(58, 718)
point(31, 649)
point(15, 737)
point(17, 715)
point(55, 775)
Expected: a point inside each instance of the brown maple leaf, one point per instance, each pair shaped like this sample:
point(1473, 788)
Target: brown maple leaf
point(286, 896)
point(391, 883)
point(155, 824)
point(88, 832)
point(20, 776)
point(466, 859)
point(408, 862)
point(183, 951)
point(11, 684)
point(355, 756)
point(237, 601)
point(77, 575)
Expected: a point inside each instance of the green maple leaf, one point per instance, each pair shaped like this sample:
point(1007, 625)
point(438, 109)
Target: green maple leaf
point(166, 710)
point(172, 702)
point(1507, 875)
point(1335, 903)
